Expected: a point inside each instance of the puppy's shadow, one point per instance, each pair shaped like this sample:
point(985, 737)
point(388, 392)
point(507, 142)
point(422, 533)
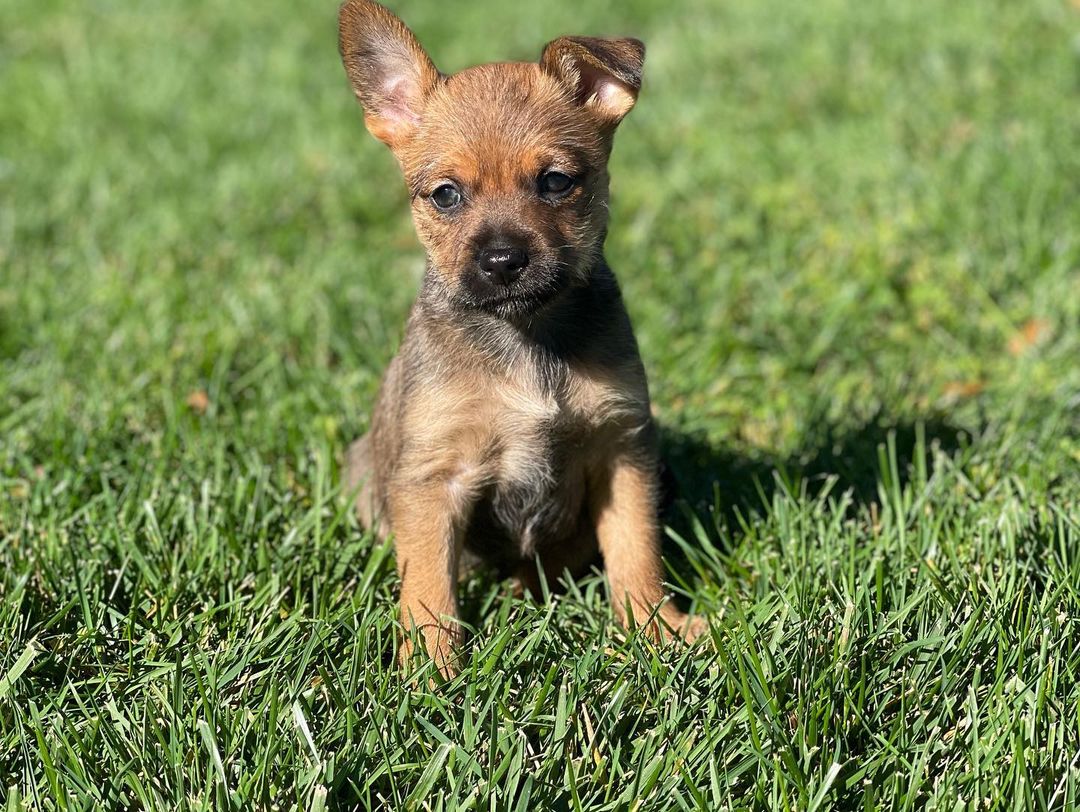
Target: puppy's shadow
point(723, 486)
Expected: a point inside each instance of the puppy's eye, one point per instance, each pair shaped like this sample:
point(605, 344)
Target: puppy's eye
point(446, 197)
point(554, 185)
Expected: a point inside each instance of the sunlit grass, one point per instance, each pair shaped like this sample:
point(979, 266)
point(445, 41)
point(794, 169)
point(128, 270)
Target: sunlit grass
point(848, 236)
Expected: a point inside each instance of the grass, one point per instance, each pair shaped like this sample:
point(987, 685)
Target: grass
point(849, 236)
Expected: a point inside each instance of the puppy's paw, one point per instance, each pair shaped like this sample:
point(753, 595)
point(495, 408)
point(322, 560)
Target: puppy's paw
point(439, 645)
point(684, 627)
point(694, 628)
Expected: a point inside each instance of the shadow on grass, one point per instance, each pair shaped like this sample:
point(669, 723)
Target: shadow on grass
point(723, 486)
point(718, 479)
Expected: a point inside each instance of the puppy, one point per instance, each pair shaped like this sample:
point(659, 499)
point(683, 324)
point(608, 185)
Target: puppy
point(514, 422)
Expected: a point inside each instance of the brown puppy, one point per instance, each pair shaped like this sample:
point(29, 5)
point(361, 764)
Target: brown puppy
point(514, 423)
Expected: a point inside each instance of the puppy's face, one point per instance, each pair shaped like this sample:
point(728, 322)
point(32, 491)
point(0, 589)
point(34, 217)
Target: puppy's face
point(509, 187)
point(506, 164)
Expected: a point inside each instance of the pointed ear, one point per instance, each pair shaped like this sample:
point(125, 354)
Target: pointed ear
point(604, 74)
point(390, 73)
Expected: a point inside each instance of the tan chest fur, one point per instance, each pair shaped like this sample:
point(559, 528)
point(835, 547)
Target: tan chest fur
point(523, 448)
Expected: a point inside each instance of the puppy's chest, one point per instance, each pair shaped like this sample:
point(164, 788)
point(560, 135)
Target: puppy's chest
point(545, 441)
point(539, 478)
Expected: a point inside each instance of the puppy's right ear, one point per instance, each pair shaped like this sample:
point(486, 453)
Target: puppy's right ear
point(390, 73)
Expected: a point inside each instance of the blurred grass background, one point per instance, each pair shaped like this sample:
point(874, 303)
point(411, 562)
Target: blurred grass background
point(849, 237)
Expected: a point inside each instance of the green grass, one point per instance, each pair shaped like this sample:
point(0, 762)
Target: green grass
point(849, 236)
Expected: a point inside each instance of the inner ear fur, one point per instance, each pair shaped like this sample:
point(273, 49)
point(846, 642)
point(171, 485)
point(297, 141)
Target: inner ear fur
point(389, 71)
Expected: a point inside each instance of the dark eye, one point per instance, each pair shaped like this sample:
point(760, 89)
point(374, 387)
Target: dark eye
point(554, 185)
point(446, 197)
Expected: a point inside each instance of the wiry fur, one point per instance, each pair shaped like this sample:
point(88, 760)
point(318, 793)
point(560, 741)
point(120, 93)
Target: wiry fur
point(514, 422)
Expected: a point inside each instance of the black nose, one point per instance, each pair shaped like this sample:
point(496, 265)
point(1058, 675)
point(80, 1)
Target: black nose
point(502, 265)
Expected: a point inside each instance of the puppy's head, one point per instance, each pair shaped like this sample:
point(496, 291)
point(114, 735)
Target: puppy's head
point(506, 163)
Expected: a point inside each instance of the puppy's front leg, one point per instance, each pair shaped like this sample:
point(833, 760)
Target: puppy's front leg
point(428, 535)
point(623, 503)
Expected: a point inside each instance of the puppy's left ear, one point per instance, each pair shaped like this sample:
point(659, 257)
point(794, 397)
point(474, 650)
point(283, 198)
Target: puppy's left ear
point(389, 71)
point(603, 74)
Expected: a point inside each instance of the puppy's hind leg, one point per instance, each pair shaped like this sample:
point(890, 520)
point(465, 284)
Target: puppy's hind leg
point(573, 558)
point(360, 480)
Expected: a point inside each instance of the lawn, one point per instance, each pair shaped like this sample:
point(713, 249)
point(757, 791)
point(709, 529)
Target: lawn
point(848, 234)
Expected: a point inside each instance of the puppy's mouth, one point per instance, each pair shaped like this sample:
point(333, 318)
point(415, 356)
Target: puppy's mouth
point(526, 295)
